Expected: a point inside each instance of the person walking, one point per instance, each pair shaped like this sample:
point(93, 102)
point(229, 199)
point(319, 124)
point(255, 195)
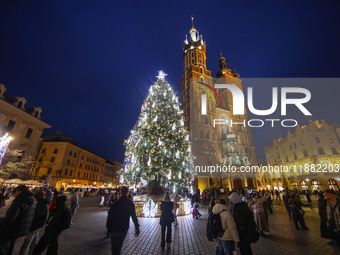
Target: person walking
point(39, 219)
point(118, 221)
point(17, 220)
point(277, 194)
point(167, 218)
point(102, 197)
point(260, 214)
point(59, 222)
point(243, 217)
point(297, 212)
point(74, 204)
point(176, 198)
point(230, 238)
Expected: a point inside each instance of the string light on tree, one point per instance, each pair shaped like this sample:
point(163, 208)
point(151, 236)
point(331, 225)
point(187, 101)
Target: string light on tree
point(158, 143)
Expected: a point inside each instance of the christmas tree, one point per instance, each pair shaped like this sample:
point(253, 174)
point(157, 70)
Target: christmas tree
point(158, 150)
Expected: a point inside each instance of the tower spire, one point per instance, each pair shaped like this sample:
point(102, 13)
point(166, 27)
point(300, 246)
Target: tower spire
point(192, 20)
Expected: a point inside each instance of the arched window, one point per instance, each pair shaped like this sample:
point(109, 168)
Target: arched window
point(333, 184)
point(36, 114)
point(202, 79)
point(20, 104)
point(192, 58)
point(303, 185)
point(201, 70)
point(315, 185)
point(66, 170)
point(71, 172)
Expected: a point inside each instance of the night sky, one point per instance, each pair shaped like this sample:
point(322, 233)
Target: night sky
point(89, 64)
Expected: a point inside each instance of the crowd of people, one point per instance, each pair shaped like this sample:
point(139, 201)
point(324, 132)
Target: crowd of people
point(34, 212)
point(243, 221)
point(233, 225)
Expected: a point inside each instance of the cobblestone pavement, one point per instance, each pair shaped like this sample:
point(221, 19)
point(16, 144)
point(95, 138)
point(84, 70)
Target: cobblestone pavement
point(88, 235)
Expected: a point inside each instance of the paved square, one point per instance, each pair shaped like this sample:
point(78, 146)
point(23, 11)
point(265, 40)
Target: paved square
point(88, 236)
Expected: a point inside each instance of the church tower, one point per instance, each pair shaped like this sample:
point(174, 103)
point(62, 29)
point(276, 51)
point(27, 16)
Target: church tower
point(213, 144)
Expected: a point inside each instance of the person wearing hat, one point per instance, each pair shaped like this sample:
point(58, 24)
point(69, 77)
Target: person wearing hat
point(330, 216)
point(18, 219)
point(167, 218)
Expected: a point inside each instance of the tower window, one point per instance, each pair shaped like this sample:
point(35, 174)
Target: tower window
point(201, 70)
point(321, 152)
point(192, 58)
point(202, 79)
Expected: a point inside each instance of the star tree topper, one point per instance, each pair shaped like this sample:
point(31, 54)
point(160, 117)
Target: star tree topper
point(161, 75)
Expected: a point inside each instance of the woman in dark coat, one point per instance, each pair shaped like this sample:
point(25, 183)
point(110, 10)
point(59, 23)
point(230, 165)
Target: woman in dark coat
point(167, 218)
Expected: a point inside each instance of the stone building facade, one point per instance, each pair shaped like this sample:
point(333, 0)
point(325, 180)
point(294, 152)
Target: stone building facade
point(311, 153)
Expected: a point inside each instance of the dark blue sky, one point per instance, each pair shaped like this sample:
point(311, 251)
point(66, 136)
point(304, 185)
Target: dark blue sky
point(89, 64)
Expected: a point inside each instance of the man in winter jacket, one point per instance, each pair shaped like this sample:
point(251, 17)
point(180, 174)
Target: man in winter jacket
point(230, 238)
point(60, 221)
point(39, 219)
point(118, 220)
point(242, 216)
point(18, 219)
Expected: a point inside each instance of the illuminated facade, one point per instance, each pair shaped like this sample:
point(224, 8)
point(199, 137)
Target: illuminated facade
point(311, 152)
point(111, 178)
point(62, 163)
point(220, 144)
point(22, 123)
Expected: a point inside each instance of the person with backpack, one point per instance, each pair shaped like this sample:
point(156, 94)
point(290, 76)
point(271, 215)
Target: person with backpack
point(223, 227)
point(60, 221)
point(39, 219)
point(330, 217)
point(246, 226)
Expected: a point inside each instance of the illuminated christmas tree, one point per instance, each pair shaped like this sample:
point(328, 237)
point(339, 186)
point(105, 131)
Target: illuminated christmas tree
point(158, 151)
